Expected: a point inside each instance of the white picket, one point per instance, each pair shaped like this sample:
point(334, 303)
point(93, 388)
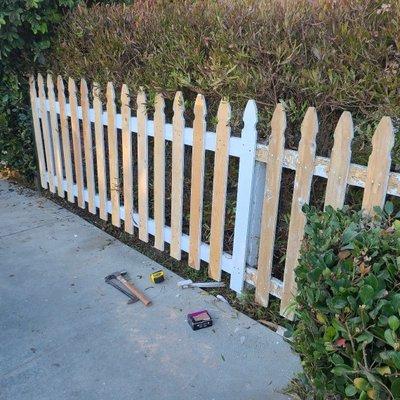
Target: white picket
point(243, 201)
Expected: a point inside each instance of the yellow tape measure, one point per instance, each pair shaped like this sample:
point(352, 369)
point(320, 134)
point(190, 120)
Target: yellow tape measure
point(157, 277)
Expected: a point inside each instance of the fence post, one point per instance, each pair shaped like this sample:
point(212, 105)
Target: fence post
point(243, 202)
point(256, 197)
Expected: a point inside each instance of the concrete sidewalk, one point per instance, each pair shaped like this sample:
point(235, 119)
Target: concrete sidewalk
point(65, 334)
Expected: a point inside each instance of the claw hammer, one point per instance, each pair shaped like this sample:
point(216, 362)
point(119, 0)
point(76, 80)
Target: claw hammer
point(119, 275)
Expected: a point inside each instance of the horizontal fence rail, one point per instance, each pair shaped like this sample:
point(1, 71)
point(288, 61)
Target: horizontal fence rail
point(78, 152)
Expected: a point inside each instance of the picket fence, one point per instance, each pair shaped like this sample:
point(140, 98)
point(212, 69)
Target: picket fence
point(66, 169)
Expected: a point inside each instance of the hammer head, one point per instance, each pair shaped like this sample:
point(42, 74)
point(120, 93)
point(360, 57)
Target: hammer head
point(114, 275)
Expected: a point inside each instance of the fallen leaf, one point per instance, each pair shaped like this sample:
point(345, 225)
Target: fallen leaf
point(344, 254)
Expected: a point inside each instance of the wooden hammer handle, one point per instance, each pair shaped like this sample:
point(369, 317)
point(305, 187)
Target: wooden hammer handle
point(135, 291)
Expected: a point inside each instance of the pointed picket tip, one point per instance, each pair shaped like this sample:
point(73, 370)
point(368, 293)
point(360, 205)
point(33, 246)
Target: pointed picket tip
point(60, 83)
point(84, 87)
point(384, 132)
point(278, 121)
point(200, 107)
point(200, 100)
point(32, 85)
point(159, 102)
point(49, 81)
point(40, 79)
point(110, 90)
point(224, 110)
point(71, 81)
point(311, 116)
point(141, 97)
point(71, 85)
point(250, 114)
point(345, 128)
point(83, 82)
point(96, 90)
point(250, 119)
point(309, 126)
point(125, 90)
point(178, 102)
point(125, 99)
point(346, 118)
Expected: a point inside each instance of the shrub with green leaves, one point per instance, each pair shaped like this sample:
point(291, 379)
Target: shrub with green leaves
point(348, 304)
point(334, 54)
point(26, 30)
point(26, 27)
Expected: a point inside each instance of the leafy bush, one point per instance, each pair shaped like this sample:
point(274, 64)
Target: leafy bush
point(26, 27)
point(26, 30)
point(348, 304)
point(337, 55)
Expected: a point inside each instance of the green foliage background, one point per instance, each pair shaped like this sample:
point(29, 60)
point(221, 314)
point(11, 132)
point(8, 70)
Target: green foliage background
point(348, 304)
point(26, 28)
point(337, 55)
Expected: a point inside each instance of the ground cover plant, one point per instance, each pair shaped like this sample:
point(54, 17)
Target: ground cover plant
point(348, 304)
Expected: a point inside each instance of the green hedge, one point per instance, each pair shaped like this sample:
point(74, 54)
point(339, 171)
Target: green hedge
point(348, 304)
point(26, 28)
point(337, 55)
